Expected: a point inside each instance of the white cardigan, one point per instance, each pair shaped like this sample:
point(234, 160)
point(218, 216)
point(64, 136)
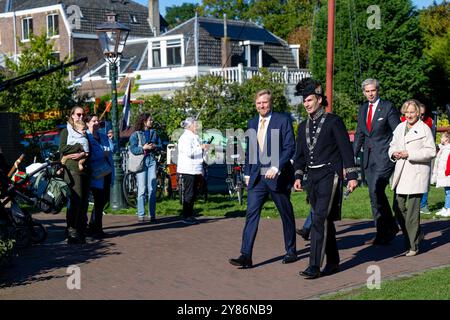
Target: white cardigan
point(412, 175)
point(190, 154)
point(440, 164)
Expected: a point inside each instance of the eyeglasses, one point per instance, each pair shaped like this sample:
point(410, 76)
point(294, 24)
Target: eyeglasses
point(79, 114)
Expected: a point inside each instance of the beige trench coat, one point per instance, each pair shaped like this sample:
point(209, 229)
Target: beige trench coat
point(412, 175)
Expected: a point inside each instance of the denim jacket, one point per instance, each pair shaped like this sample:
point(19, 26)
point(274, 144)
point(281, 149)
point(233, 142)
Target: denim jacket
point(137, 149)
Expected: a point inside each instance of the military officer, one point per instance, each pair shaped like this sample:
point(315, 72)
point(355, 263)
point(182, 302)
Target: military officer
point(325, 154)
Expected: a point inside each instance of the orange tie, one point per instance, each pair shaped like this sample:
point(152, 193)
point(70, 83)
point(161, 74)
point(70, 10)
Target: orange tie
point(261, 134)
point(369, 118)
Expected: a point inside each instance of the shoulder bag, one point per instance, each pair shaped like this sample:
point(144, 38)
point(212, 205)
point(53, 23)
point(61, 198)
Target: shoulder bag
point(136, 162)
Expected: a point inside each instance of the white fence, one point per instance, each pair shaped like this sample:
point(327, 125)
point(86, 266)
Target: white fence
point(241, 73)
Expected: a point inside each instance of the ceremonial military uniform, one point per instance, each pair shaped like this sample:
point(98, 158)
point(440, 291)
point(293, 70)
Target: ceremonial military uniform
point(323, 151)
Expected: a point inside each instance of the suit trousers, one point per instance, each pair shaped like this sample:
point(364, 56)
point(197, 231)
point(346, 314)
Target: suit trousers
point(323, 232)
point(377, 181)
point(256, 198)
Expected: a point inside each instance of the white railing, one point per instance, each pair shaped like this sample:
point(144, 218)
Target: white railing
point(240, 74)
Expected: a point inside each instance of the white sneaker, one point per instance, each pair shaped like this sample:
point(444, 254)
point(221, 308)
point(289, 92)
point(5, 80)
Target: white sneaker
point(441, 212)
point(411, 253)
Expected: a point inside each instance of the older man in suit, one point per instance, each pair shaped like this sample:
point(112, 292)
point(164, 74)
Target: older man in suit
point(377, 119)
point(268, 171)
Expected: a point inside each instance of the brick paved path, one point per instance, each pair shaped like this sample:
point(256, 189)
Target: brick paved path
point(172, 261)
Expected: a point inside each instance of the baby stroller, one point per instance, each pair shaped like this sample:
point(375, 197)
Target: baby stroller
point(40, 187)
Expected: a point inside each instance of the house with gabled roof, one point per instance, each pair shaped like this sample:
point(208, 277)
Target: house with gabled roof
point(71, 24)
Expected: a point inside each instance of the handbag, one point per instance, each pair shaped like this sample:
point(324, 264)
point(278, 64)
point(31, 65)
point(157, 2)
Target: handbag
point(135, 162)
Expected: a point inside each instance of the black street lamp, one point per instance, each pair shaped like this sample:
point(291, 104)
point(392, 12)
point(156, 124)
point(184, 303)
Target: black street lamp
point(113, 36)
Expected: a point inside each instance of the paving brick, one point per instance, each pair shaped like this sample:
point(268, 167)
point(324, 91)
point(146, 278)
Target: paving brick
point(172, 261)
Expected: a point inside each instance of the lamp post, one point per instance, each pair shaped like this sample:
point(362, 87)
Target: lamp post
point(113, 36)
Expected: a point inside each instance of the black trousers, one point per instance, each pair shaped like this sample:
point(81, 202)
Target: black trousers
point(101, 198)
point(323, 232)
point(189, 183)
point(377, 181)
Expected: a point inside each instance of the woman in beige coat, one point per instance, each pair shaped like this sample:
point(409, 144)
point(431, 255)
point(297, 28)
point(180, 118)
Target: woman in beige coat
point(412, 148)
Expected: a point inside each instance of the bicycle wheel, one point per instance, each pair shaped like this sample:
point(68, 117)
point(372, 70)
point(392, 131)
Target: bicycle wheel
point(38, 232)
point(240, 188)
point(160, 186)
point(129, 189)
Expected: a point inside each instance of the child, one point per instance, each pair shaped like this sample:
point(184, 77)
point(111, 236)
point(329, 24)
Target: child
point(77, 135)
point(441, 172)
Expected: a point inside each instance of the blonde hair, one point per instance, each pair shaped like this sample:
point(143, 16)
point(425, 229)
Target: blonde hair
point(79, 125)
point(411, 102)
point(72, 111)
point(263, 92)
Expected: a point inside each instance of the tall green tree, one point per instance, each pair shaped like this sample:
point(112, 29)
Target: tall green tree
point(435, 28)
point(50, 92)
point(390, 50)
point(176, 15)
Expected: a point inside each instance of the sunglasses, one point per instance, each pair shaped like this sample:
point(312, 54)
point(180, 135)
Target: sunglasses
point(79, 114)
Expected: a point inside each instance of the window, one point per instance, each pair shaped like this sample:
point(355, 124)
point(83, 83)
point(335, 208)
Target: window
point(27, 28)
point(173, 52)
point(52, 25)
point(156, 55)
point(133, 19)
point(252, 53)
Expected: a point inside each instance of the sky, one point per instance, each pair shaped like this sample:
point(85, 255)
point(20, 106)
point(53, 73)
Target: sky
point(168, 3)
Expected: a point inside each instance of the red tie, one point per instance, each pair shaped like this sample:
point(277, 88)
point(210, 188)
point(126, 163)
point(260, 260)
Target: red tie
point(369, 119)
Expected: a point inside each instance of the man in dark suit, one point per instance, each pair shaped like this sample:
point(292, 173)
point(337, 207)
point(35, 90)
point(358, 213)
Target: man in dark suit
point(377, 119)
point(268, 171)
point(325, 154)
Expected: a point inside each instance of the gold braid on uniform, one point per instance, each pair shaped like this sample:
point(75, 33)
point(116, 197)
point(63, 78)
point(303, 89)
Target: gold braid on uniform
point(350, 170)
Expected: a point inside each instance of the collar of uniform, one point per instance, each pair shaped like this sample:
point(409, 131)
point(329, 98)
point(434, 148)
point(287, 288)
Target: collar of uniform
point(317, 114)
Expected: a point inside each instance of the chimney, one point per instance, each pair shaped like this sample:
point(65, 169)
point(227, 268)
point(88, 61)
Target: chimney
point(153, 16)
point(225, 46)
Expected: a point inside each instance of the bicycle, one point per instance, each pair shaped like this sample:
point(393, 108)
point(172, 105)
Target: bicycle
point(235, 179)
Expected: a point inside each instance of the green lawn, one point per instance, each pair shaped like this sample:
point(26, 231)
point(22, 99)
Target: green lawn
point(357, 206)
point(429, 285)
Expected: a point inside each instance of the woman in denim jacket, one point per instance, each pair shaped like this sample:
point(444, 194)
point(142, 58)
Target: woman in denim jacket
point(145, 140)
point(100, 162)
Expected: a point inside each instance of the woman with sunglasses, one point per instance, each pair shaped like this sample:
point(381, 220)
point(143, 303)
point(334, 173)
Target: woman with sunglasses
point(78, 202)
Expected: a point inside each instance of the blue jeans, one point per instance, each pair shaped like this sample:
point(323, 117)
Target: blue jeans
point(424, 200)
point(146, 181)
point(447, 197)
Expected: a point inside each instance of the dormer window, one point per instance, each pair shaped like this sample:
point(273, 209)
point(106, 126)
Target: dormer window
point(252, 53)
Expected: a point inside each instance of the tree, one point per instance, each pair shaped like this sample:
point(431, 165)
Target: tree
point(216, 104)
point(435, 29)
point(176, 15)
point(391, 53)
point(51, 92)
point(234, 9)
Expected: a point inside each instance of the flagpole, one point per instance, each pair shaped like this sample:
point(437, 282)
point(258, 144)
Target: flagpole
point(330, 55)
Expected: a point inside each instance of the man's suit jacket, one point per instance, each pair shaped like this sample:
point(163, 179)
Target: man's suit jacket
point(285, 152)
point(376, 142)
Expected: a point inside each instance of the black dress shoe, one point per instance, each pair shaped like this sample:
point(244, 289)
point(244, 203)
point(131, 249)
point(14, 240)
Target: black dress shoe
point(329, 269)
point(243, 261)
point(289, 258)
point(311, 272)
point(304, 233)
